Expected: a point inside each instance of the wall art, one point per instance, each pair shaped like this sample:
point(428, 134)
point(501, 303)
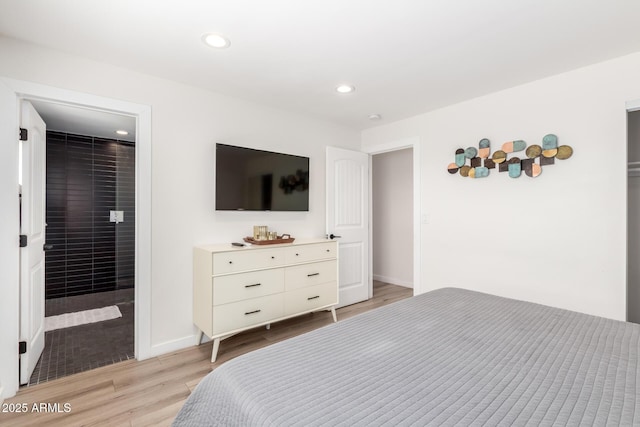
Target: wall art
point(477, 163)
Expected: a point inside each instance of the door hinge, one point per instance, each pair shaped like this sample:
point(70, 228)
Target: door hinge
point(23, 134)
point(22, 347)
point(23, 240)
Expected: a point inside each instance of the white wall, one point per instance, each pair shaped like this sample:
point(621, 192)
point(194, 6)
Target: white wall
point(186, 124)
point(558, 239)
point(392, 205)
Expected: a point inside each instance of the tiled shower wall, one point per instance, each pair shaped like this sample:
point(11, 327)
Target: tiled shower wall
point(87, 177)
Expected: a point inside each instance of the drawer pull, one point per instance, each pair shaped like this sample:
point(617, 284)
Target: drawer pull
point(310, 298)
point(273, 257)
point(251, 286)
point(230, 262)
point(297, 254)
point(252, 312)
point(313, 274)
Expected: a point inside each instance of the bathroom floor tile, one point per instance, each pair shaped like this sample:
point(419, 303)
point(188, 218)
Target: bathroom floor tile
point(71, 350)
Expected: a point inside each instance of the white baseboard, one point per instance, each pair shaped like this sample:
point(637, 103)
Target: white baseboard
point(171, 346)
point(393, 281)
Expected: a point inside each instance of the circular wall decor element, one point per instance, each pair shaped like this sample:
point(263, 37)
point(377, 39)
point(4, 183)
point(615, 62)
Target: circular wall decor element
point(499, 156)
point(464, 171)
point(479, 172)
point(549, 153)
point(513, 146)
point(533, 151)
point(549, 141)
point(564, 152)
point(536, 170)
point(470, 152)
point(514, 167)
point(452, 168)
point(460, 157)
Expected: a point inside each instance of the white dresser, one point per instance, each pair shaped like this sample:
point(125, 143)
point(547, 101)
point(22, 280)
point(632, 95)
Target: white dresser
point(238, 288)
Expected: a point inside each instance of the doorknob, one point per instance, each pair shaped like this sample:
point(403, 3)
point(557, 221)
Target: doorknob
point(47, 246)
point(333, 236)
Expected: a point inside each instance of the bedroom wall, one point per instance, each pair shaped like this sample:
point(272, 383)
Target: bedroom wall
point(186, 124)
point(392, 217)
point(559, 239)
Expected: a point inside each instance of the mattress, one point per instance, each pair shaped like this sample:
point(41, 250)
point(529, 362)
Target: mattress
point(450, 357)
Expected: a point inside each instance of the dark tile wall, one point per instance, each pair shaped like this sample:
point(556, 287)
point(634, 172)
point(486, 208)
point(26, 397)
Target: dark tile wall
point(86, 178)
point(126, 201)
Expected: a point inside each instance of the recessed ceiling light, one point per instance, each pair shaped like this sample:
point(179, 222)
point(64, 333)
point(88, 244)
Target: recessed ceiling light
point(375, 117)
point(345, 89)
point(122, 132)
point(216, 40)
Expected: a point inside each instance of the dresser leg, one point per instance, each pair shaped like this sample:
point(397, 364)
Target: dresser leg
point(333, 313)
point(214, 351)
point(199, 337)
point(268, 326)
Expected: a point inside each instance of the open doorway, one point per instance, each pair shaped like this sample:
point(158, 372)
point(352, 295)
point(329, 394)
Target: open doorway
point(633, 213)
point(349, 216)
point(11, 92)
point(90, 240)
point(392, 195)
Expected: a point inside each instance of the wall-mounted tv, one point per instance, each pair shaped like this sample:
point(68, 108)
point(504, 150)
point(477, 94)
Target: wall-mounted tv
point(257, 180)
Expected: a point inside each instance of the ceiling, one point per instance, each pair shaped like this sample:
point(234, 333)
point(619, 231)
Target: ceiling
point(83, 121)
point(404, 57)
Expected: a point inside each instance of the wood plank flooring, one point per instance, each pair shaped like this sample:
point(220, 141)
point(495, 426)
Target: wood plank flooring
point(151, 392)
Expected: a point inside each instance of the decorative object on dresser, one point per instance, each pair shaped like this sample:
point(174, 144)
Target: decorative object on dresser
point(239, 288)
point(263, 236)
point(285, 238)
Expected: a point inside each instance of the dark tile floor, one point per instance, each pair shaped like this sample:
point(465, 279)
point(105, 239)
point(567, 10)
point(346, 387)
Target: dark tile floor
point(80, 348)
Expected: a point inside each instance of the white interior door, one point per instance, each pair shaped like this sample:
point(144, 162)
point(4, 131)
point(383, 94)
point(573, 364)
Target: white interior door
point(32, 225)
point(348, 218)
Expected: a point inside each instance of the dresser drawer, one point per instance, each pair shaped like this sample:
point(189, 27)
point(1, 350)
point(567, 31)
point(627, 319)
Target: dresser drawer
point(306, 253)
point(247, 260)
point(305, 275)
point(237, 287)
point(309, 298)
point(243, 314)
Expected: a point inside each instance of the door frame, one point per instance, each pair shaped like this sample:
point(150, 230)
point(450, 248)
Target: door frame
point(630, 107)
point(401, 144)
point(142, 113)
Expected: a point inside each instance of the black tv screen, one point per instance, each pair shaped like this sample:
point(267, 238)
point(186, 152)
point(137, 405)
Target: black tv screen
point(256, 180)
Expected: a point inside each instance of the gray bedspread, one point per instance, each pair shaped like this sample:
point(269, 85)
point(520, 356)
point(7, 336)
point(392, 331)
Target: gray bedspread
point(448, 357)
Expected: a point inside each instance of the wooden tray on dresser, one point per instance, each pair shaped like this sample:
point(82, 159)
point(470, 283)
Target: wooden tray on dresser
point(268, 242)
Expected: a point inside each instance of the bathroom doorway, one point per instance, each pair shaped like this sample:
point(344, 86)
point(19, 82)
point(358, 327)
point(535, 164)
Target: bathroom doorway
point(90, 251)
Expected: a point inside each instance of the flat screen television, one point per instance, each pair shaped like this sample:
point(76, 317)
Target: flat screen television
point(257, 180)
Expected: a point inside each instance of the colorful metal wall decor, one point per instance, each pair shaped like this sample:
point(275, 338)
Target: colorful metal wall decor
point(537, 156)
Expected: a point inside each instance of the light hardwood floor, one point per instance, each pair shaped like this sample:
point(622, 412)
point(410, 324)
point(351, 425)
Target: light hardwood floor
point(151, 392)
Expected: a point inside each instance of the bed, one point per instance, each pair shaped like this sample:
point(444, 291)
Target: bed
point(450, 357)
